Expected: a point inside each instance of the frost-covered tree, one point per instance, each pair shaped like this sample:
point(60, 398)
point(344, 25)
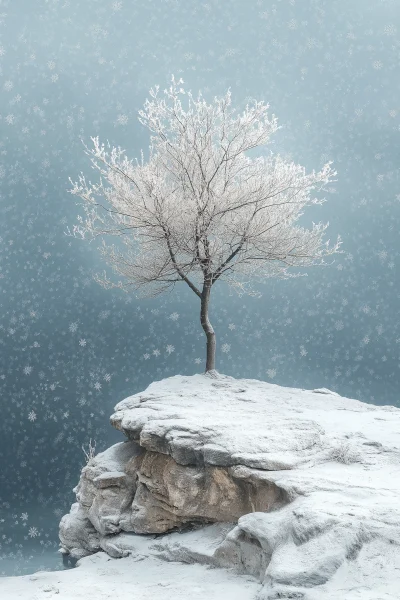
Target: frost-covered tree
point(200, 209)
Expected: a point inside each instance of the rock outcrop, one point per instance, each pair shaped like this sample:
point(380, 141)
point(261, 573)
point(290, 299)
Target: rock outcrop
point(296, 488)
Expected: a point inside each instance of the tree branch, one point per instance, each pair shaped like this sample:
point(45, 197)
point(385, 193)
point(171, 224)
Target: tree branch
point(178, 270)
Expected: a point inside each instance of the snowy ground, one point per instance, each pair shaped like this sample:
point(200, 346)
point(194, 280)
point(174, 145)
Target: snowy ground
point(101, 577)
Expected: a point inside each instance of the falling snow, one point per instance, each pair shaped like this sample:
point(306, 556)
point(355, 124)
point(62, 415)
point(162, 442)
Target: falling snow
point(70, 350)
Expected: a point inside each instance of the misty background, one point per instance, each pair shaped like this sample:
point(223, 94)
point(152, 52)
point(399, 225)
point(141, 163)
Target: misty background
point(70, 350)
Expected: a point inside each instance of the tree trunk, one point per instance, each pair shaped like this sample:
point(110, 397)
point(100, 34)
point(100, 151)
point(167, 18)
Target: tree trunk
point(208, 328)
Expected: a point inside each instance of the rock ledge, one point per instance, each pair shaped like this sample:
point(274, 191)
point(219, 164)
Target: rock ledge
point(298, 489)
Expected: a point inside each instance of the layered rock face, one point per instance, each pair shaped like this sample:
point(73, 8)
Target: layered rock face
point(301, 486)
point(154, 494)
point(169, 495)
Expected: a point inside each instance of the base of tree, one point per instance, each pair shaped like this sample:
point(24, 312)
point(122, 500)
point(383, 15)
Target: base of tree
point(212, 373)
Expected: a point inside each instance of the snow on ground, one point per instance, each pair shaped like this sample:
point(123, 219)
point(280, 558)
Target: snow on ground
point(100, 577)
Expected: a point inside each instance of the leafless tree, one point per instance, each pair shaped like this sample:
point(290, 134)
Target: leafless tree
point(201, 210)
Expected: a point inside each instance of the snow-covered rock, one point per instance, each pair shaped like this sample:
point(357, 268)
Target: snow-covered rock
point(78, 533)
point(302, 487)
point(107, 487)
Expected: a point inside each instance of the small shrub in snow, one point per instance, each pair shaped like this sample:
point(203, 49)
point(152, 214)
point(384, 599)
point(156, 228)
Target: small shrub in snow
point(345, 454)
point(90, 454)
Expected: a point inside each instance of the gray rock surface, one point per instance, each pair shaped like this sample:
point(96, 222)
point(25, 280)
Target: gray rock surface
point(77, 534)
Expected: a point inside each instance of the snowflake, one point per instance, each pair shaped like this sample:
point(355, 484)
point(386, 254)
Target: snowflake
point(156, 352)
point(339, 325)
point(8, 86)
point(116, 6)
point(33, 532)
point(97, 385)
point(303, 351)
point(366, 339)
point(382, 254)
point(122, 120)
point(174, 316)
point(271, 373)
point(197, 361)
point(58, 437)
point(28, 370)
point(170, 348)
point(73, 327)
point(225, 348)
point(390, 30)
point(146, 356)
point(32, 416)
point(377, 64)
point(231, 52)
point(10, 119)
point(107, 377)
point(231, 326)
point(24, 516)
point(82, 342)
